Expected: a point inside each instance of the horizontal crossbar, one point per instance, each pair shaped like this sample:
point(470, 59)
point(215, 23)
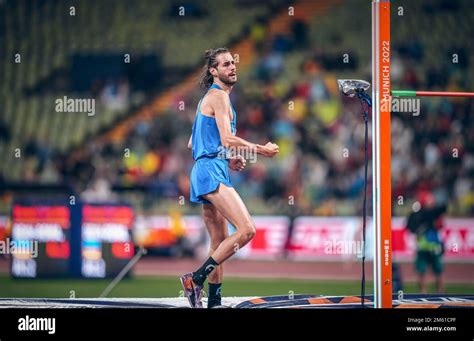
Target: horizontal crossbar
point(413, 93)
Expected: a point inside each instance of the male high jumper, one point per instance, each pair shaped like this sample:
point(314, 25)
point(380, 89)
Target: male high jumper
point(214, 146)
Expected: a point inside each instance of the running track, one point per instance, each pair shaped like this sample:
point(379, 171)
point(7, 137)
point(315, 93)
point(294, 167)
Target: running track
point(156, 266)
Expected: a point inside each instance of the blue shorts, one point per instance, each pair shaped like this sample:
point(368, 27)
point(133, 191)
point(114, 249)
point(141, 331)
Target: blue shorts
point(206, 175)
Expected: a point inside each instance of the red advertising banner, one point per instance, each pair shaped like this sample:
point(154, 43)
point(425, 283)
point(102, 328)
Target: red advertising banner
point(339, 239)
point(457, 235)
point(325, 238)
point(108, 214)
point(269, 241)
point(41, 215)
point(164, 231)
point(3, 228)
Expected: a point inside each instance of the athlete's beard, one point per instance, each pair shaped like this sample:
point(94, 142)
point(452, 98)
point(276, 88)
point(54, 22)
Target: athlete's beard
point(226, 80)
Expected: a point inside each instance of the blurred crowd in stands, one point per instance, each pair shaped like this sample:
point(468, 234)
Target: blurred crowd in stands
point(320, 168)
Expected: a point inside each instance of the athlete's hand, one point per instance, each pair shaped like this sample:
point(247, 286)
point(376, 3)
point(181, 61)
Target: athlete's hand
point(237, 163)
point(270, 149)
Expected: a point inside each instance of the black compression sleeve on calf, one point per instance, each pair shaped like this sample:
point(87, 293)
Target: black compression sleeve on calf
point(200, 275)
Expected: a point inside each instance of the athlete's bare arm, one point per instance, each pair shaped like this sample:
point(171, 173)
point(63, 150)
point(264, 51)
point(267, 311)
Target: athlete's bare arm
point(219, 102)
point(190, 144)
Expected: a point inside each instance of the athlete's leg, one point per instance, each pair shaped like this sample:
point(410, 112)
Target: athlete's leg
point(230, 205)
point(437, 266)
point(216, 226)
point(420, 267)
point(422, 283)
point(440, 289)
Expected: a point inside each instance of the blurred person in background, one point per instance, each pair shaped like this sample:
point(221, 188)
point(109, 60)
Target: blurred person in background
point(426, 222)
point(99, 191)
point(182, 246)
